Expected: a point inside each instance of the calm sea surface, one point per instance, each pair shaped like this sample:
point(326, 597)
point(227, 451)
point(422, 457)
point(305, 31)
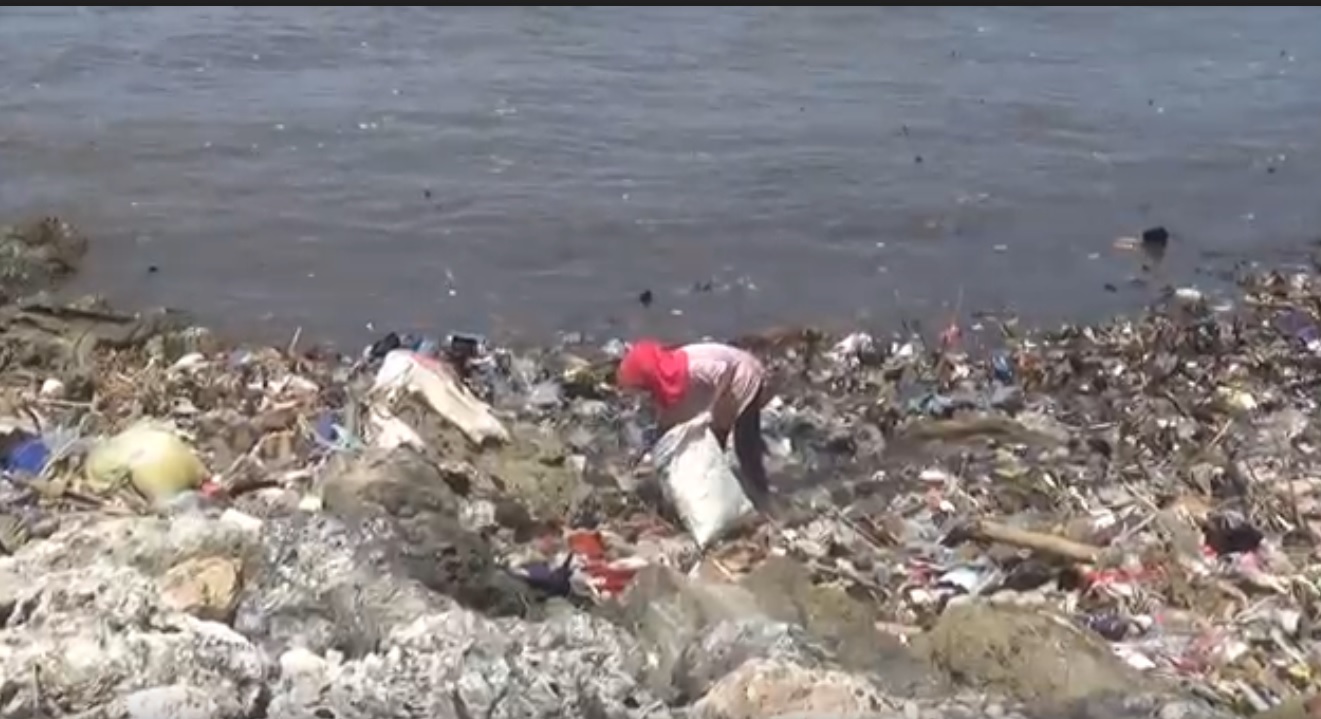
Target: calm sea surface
point(533, 169)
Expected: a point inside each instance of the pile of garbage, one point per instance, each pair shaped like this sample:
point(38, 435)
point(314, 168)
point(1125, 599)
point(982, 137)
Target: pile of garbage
point(1124, 515)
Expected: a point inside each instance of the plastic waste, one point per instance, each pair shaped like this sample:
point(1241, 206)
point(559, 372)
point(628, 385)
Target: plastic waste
point(697, 479)
point(382, 347)
point(327, 428)
point(405, 370)
point(391, 432)
point(553, 580)
point(333, 433)
point(53, 388)
point(152, 457)
point(1002, 368)
point(29, 457)
point(853, 348)
point(428, 346)
point(28, 454)
point(463, 347)
point(1114, 627)
point(615, 349)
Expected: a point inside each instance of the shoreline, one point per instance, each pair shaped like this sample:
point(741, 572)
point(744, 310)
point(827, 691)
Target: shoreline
point(936, 494)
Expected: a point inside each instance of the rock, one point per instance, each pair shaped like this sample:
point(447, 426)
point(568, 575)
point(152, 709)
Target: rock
point(1133, 705)
point(84, 611)
point(400, 482)
point(455, 663)
point(356, 638)
point(149, 545)
point(207, 588)
point(770, 687)
point(14, 533)
point(303, 677)
point(671, 616)
point(323, 585)
point(176, 702)
point(97, 633)
point(1031, 655)
point(699, 632)
point(534, 470)
point(407, 511)
point(845, 626)
point(35, 254)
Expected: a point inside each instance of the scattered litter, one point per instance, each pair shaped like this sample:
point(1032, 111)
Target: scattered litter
point(1153, 482)
point(405, 370)
point(152, 458)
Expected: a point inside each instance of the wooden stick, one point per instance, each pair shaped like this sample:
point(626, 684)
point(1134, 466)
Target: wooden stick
point(1036, 541)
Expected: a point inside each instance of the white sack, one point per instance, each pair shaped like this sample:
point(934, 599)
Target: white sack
point(697, 479)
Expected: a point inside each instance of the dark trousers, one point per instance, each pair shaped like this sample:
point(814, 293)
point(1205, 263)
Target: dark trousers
point(750, 448)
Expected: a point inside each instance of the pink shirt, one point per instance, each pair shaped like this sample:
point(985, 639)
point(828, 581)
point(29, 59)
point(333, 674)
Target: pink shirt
point(709, 365)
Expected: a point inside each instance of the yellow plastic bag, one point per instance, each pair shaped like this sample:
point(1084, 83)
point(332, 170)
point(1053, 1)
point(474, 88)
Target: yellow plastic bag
point(153, 458)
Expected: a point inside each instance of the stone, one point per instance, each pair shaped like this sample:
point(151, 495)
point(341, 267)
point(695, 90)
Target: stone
point(406, 508)
point(671, 615)
point(38, 253)
point(355, 636)
point(845, 626)
point(769, 687)
point(207, 588)
point(399, 482)
point(176, 702)
point(323, 584)
point(303, 677)
point(99, 633)
point(699, 631)
point(150, 545)
point(1025, 653)
point(456, 663)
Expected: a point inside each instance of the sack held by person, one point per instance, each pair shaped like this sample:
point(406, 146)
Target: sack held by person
point(725, 381)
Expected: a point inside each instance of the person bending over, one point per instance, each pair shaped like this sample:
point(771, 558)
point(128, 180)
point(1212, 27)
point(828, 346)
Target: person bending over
point(726, 381)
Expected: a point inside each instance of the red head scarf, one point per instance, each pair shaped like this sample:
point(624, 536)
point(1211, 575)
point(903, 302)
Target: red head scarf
point(651, 367)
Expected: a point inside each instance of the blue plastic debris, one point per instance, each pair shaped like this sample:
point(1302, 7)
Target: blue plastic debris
point(428, 346)
point(29, 457)
point(327, 427)
point(330, 433)
point(1002, 368)
point(555, 582)
point(932, 404)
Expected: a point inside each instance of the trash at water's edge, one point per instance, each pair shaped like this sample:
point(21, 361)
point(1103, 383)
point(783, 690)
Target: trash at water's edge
point(29, 457)
point(554, 581)
point(405, 370)
point(150, 457)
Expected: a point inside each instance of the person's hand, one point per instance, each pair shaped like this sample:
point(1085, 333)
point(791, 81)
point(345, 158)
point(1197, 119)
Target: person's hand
point(643, 470)
point(643, 466)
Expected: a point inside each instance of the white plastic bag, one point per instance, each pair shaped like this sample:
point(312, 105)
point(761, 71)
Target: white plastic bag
point(698, 480)
point(404, 370)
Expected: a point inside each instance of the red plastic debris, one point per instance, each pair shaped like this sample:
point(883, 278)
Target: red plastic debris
point(212, 489)
point(1104, 577)
point(951, 335)
point(609, 579)
point(586, 544)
